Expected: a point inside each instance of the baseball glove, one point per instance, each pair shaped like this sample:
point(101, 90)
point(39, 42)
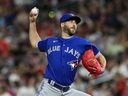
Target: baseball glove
point(91, 64)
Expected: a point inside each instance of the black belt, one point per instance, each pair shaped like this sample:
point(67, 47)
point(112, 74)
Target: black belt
point(58, 86)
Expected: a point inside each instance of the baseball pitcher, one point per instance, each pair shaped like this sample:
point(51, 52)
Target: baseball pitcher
point(64, 53)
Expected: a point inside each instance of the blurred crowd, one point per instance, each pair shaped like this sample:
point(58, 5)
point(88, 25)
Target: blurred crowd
point(104, 22)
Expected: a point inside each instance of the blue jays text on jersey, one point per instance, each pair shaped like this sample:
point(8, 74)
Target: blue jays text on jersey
point(63, 57)
point(67, 50)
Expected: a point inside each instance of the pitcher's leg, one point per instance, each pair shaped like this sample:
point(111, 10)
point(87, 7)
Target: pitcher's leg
point(73, 92)
point(46, 90)
point(39, 91)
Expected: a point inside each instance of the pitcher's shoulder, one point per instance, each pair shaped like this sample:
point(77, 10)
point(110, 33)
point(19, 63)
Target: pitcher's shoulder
point(51, 38)
point(82, 39)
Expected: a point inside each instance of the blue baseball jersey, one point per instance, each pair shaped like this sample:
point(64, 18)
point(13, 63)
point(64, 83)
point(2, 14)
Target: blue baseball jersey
point(63, 57)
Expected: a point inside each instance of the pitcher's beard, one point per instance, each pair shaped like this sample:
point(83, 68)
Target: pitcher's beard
point(70, 31)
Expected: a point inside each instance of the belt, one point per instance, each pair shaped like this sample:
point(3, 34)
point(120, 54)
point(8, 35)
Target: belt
point(58, 86)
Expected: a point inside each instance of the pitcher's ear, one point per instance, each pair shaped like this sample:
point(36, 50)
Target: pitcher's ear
point(62, 24)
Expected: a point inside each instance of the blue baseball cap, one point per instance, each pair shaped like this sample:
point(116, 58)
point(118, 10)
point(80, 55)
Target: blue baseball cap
point(69, 16)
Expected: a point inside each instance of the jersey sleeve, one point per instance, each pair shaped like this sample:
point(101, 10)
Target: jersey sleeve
point(42, 45)
point(94, 48)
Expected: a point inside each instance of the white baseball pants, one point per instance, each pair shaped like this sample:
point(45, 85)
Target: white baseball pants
point(46, 89)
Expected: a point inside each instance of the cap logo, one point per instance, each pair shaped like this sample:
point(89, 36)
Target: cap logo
point(72, 14)
point(69, 16)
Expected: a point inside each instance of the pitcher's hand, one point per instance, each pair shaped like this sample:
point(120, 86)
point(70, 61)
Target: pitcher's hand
point(33, 14)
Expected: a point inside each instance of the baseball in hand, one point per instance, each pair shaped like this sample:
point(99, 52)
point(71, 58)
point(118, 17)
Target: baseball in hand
point(34, 10)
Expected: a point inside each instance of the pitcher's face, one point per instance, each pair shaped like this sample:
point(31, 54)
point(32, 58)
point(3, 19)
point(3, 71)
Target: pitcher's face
point(70, 27)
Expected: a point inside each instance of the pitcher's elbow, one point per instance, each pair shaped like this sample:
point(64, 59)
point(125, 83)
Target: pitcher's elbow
point(33, 44)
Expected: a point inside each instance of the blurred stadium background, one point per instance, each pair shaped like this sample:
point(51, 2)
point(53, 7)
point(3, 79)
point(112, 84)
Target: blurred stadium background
point(104, 22)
